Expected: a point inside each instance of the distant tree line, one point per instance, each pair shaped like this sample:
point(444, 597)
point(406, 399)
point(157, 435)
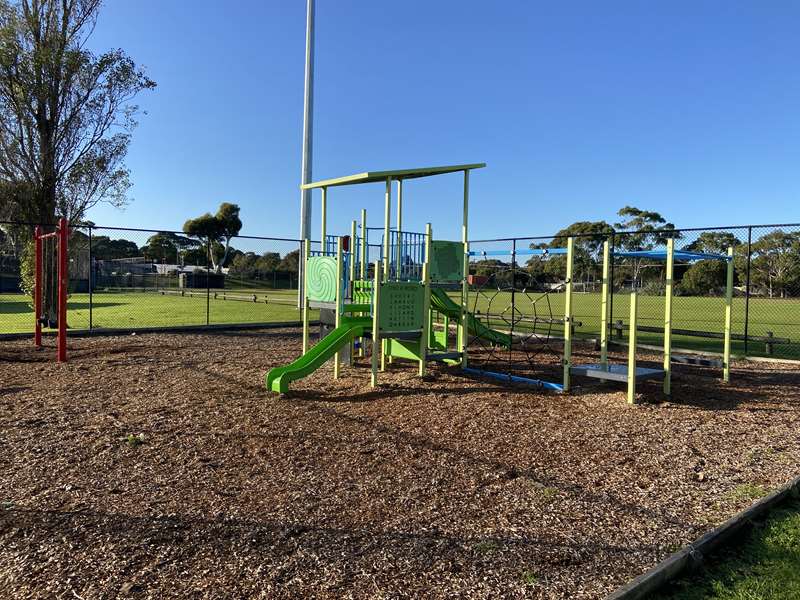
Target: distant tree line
point(175, 249)
point(774, 258)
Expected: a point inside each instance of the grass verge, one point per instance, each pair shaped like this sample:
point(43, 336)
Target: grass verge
point(764, 566)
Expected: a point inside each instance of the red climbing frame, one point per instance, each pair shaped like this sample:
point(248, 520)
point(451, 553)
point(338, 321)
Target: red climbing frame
point(62, 236)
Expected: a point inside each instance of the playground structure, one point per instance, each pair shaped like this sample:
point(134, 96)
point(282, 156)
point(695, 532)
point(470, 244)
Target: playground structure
point(630, 373)
point(393, 306)
point(404, 304)
point(50, 279)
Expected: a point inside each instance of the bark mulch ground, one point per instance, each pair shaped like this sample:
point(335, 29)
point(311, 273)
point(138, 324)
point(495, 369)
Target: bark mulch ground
point(157, 466)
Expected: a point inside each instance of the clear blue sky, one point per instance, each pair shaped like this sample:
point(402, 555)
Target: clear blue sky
point(688, 108)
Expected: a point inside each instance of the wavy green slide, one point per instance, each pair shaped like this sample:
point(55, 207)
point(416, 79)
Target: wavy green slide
point(278, 379)
point(445, 305)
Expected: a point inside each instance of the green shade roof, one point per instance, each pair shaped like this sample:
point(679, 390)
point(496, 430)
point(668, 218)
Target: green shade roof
point(373, 176)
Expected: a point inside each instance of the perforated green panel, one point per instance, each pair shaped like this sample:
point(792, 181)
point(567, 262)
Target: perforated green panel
point(401, 306)
point(447, 261)
point(362, 291)
point(321, 279)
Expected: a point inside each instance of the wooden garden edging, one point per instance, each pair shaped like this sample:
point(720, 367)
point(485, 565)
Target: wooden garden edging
point(694, 554)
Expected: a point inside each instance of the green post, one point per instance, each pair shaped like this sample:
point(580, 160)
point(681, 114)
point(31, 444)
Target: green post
point(668, 317)
point(462, 325)
point(306, 252)
point(568, 315)
point(399, 225)
point(376, 334)
point(604, 316)
point(324, 219)
point(353, 228)
point(426, 304)
point(632, 350)
point(353, 255)
point(364, 257)
point(387, 218)
point(726, 360)
point(339, 300)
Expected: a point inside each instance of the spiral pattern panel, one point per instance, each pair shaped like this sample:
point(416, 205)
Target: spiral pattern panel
point(321, 278)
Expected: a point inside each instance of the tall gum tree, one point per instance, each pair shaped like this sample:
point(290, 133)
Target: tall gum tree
point(66, 113)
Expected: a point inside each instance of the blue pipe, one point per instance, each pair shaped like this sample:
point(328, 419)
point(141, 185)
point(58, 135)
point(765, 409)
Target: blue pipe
point(548, 385)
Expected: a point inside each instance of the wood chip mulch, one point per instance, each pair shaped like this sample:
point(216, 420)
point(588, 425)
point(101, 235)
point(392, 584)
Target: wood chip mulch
point(157, 466)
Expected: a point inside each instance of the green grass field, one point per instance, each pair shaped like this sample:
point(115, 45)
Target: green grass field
point(766, 566)
point(782, 317)
point(125, 309)
point(151, 309)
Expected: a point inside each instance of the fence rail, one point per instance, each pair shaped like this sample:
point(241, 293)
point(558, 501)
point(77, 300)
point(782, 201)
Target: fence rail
point(766, 309)
point(124, 278)
point(129, 277)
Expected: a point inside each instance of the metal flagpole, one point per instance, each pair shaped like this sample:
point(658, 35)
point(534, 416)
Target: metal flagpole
point(308, 130)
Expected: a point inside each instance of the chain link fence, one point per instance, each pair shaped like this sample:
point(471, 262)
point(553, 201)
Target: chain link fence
point(766, 302)
point(135, 278)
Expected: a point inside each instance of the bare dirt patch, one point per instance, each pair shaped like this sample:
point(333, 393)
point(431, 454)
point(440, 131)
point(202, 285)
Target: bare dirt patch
point(157, 466)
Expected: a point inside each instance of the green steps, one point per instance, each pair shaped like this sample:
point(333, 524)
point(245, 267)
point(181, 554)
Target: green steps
point(279, 378)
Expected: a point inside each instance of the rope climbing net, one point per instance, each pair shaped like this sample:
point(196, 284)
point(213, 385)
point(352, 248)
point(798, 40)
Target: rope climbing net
point(525, 303)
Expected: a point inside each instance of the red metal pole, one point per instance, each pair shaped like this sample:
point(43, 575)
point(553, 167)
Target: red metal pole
point(63, 275)
point(37, 287)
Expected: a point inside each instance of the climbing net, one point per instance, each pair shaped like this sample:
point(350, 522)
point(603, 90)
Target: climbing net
point(524, 304)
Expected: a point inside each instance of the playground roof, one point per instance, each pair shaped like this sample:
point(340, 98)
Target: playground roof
point(374, 176)
point(678, 254)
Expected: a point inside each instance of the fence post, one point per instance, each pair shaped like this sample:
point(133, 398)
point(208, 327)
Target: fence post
point(747, 289)
point(91, 277)
point(208, 281)
point(768, 345)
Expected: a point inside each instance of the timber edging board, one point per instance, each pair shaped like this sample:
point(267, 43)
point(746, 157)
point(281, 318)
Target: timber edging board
point(694, 554)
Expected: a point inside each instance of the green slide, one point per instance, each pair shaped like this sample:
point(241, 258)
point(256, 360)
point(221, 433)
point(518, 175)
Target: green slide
point(445, 305)
point(278, 378)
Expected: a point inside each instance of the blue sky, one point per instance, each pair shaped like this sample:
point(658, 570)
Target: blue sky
point(688, 108)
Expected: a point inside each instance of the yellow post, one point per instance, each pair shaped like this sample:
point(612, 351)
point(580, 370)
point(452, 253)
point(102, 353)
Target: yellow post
point(324, 219)
point(352, 251)
point(376, 334)
point(668, 317)
point(353, 255)
point(426, 305)
point(363, 262)
point(568, 315)
point(726, 359)
point(399, 225)
point(632, 350)
point(339, 300)
point(604, 317)
point(462, 326)
point(306, 252)
point(387, 217)
point(364, 256)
